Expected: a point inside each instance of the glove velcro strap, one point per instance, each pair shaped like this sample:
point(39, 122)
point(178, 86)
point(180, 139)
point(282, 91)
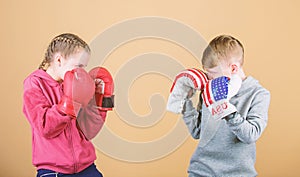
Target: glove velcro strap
point(108, 102)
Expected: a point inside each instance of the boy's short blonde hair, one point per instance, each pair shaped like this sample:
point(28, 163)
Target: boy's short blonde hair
point(222, 48)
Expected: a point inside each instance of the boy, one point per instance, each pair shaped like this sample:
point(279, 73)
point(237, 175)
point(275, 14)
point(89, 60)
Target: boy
point(227, 141)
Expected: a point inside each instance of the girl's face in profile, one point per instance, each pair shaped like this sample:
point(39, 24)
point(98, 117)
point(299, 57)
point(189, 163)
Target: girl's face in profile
point(79, 59)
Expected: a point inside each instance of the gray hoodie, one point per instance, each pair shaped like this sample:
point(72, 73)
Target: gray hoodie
point(227, 147)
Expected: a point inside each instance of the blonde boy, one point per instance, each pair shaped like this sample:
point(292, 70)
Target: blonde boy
point(227, 145)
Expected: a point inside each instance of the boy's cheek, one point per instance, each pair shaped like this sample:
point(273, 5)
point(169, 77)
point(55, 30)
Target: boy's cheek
point(212, 76)
point(209, 76)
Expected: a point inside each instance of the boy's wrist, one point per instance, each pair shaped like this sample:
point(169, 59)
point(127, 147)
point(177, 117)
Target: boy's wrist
point(231, 116)
point(234, 119)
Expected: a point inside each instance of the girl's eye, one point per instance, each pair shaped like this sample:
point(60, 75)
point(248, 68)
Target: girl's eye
point(80, 66)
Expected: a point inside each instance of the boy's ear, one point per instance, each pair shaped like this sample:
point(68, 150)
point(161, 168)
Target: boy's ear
point(234, 68)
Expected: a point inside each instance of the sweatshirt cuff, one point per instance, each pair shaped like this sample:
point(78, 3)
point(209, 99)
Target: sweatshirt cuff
point(188, 106)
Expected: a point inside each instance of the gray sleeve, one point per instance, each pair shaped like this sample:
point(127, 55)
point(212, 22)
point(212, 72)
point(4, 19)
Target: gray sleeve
point(192, 119)
point(248, 129)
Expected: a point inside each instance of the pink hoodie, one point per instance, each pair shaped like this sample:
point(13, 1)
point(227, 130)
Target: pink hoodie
point(59, 143)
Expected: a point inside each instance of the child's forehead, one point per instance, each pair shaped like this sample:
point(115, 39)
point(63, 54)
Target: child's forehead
point(213, 69)
point(217, 65)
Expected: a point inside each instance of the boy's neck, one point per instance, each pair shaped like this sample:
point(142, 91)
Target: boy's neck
point(242, 74)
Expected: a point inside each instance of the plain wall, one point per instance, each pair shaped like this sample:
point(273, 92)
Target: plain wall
point(268, 29)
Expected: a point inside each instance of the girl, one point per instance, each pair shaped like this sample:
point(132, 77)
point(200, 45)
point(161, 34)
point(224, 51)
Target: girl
point(58, 104)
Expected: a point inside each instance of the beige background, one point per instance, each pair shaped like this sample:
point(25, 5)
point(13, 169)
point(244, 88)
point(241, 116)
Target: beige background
point(268, 29)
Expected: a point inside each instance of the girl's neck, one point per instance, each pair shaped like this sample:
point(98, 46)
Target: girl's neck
point(53, 74)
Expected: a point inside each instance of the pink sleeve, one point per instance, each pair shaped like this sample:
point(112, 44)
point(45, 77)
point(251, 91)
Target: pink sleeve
point(90, 121)
point(42, 116)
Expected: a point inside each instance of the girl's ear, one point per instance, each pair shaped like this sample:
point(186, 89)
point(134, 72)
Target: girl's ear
point(57, 59)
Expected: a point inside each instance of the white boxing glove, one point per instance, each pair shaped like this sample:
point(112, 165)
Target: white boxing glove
point(186, 81)
point(217, 93)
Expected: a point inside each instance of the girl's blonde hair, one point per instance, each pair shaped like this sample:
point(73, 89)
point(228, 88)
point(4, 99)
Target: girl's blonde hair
point(66, 44)
point(222, 47)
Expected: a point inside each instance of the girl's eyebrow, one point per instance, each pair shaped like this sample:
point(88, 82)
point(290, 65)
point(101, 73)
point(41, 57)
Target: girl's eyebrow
point(80, 65)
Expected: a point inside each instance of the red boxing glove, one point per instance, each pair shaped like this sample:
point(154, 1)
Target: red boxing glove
point(104, 96)
point(78, 88)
